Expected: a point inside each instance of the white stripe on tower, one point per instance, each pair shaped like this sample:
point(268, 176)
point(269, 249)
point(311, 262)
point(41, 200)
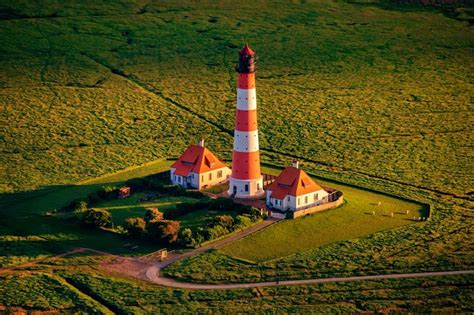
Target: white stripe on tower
point(246, 99)
point(246, 141)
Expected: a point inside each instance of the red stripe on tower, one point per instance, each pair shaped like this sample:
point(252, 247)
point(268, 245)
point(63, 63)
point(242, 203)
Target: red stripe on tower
point(246, 180)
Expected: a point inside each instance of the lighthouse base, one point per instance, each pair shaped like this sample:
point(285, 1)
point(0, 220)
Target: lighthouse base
point(246, 188)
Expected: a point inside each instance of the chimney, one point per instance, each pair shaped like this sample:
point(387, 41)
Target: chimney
point(201, 143)
point(295, 164)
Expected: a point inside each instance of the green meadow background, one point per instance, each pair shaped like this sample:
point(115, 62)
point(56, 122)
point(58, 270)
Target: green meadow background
point(368, 93)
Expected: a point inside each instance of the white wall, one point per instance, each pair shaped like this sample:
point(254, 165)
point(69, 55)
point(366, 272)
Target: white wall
point(293, 204)
point(203, 178)
point(198, 181)
point(255, 187)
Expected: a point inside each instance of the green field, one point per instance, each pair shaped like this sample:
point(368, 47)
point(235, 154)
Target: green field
point(351, 220)
point(373, 95)
point(117, 295)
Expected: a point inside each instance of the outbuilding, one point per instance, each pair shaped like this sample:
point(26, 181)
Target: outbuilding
point(198, 168)
point(294, 190)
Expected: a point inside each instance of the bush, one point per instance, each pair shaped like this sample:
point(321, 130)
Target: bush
point(76, 205)
point(215, 232)
point(226, 221)
point(153, 214)
point(194, 194)
point(108, 192)
point(222, 203)
point(163, 231)
point(135, 227)
point(185, 238)
point(97, 218)
point(186, 208)
point(242, 222)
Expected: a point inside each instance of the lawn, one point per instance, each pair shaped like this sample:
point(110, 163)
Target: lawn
point(351, 220)
point(370, 95)
point(33, 234)
point(122, 209)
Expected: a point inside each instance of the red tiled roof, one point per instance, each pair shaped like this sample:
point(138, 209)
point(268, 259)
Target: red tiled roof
point(294, 182)
point(246, 51)
point(196, 159)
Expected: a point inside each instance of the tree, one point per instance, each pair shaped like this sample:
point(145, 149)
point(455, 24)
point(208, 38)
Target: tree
point(163, 231)
point(185, 238)
point(97, 218)
point(135, 226)
point(153, 214)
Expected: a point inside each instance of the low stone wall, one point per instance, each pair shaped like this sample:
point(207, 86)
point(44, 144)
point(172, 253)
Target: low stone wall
point(329, 205)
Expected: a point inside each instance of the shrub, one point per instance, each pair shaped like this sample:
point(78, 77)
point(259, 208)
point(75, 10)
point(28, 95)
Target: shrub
point(153, 214)
point(163, 231)
point(224, 220)
point(186, 208)
point(108, 192)
point(185, 238)
point(76, 205)
point(80, 205)
point(222, 203)
point(97, 218)
point(242, 221)
point(193, 194)
point(135, 227)
point(215, 232)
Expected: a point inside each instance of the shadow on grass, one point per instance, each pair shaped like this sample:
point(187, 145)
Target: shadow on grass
point(26, 228)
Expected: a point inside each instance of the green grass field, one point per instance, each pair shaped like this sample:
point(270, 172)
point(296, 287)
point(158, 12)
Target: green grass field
point(349, 221)
point(118, 295)
point(373, 95)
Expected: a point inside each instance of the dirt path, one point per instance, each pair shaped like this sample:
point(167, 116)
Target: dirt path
point(140, 268)
point(153, 276)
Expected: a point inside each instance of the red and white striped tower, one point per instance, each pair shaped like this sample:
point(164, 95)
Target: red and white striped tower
point(246, 180)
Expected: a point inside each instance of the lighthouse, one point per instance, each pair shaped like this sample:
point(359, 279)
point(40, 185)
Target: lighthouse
point(246, 180)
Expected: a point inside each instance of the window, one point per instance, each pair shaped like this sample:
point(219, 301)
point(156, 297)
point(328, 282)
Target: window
point(306, 199)
point(210, 176)
point(258, 186)
point(174, 177)
point(315, 197)
point(246, 187)
point(288, 199)
point(298, 201)
point(219, 174)
point(202, 178)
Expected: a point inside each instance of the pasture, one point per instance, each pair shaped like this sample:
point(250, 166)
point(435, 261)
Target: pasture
point(379, 96)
